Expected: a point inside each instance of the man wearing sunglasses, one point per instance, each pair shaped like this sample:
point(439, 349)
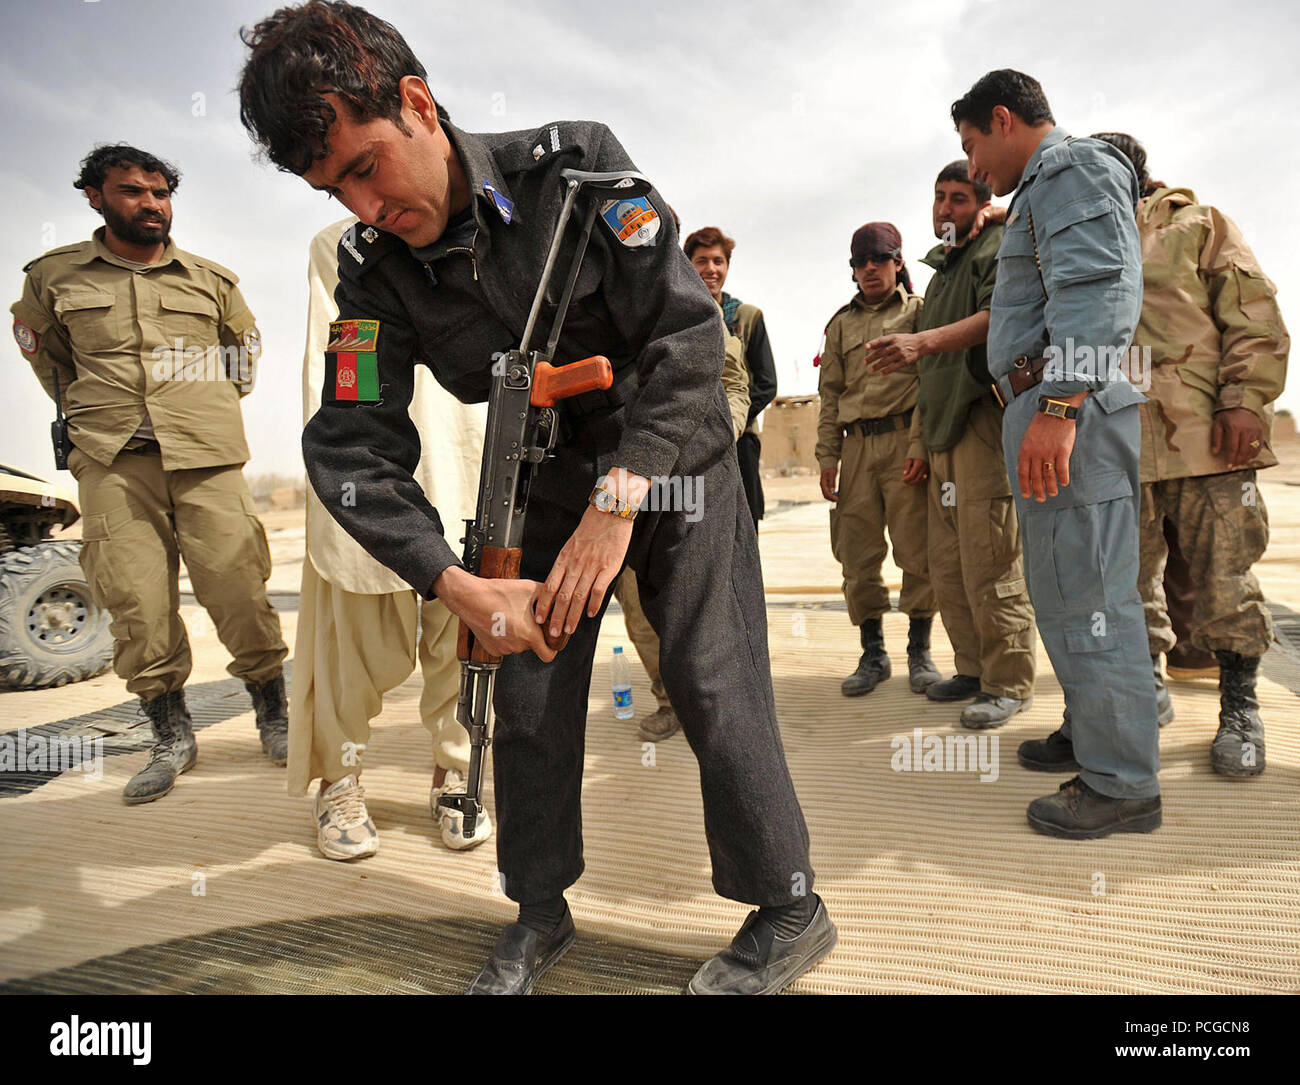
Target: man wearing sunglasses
point(863, 436)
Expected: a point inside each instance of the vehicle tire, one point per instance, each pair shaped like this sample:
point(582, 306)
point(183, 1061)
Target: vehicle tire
point(51, 631)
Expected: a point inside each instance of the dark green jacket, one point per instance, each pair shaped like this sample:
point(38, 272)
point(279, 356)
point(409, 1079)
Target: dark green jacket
point(950, 382)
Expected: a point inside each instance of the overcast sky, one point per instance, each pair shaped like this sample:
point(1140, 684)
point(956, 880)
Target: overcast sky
point(788, 125)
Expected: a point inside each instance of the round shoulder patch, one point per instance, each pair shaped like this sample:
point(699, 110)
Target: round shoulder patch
point(24, 337)
point(252, 340)
point(634, 222)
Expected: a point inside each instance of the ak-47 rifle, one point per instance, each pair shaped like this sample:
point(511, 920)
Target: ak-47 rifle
point(522, 427)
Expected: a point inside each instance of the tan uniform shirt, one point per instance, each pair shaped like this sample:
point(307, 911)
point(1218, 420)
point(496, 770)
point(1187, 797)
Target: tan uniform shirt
point(174, 343)
point(1212, 326)
point(848, 389)
point(451, 442)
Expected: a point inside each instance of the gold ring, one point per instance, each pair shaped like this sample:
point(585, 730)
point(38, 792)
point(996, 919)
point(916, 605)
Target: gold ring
point(1254, 444)
point(1048, 465)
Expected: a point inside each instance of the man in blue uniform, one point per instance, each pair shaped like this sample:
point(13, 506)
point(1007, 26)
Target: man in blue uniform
point(441, 271)
point(1066, 303)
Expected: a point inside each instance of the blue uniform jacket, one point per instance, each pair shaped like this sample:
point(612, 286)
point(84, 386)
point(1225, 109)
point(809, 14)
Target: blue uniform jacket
point(1083, 291)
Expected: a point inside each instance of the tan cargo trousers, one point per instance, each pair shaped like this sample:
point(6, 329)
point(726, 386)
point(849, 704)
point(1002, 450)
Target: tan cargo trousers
point(352, 649)
point(138, 521)
point(873, 497)
point(976, 565)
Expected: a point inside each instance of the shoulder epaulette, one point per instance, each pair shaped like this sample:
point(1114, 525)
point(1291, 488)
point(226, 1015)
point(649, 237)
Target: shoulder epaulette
point(53, 252)
point(212, 265)
point(519, 152)
point(364, 246)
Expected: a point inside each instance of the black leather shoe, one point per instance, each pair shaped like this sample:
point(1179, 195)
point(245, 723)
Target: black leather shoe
point(759, 963)
point(1055, 753)
point(520, 957)
point(1078, 812)
point(960, 687)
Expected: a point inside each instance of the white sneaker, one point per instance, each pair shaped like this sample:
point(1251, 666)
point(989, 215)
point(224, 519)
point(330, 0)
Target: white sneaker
point(452, 822)
point(343, 826)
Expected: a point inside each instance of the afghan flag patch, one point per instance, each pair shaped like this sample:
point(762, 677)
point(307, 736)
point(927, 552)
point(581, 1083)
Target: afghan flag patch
point(352, 363)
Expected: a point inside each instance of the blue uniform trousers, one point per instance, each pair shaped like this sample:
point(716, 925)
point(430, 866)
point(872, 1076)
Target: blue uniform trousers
point(1081, 564)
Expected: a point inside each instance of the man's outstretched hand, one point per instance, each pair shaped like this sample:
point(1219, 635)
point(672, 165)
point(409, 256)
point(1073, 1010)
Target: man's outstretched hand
point(890, 353)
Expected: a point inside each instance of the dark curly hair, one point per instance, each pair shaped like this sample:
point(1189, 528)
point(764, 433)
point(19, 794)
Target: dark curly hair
point(1134, 152)
point(1022, 94)
point(299, 54)
point(706, 237)
point(107, 155)
point(959, 171)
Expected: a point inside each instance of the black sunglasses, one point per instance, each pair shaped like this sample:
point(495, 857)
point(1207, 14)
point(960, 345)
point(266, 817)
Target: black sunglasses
point(873, 258)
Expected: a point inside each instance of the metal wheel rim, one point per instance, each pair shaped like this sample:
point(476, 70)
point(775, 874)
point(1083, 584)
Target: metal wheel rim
point(58, 616)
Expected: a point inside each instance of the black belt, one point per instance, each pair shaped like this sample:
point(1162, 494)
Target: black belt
point(869, 427)
point(145, 448)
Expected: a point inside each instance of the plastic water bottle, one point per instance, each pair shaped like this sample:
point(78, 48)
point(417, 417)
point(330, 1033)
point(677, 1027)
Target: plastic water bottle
point(620, 680)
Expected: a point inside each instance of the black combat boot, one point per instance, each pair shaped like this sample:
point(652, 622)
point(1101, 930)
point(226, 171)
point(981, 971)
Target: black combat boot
point(1238, 748)
point(873, 667)
point(921, 671)
point(272, 718)
point(174, 752)
point(1164, 703)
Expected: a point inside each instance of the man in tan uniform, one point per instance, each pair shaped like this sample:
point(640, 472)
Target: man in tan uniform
point(361, 627)
point(152, 348)
point(864, 428)
point(974, 534)
point(1217, 352)
point(662, 723)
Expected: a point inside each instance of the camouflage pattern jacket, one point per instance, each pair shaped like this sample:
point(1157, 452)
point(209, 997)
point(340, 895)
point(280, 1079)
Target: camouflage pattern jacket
point(1216, 337)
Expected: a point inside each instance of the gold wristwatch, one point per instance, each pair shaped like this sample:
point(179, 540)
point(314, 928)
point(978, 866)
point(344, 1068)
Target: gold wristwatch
point(1057, 408)
point(605, 501)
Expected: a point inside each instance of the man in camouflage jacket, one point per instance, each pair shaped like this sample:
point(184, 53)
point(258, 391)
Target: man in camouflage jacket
point(1214, 343)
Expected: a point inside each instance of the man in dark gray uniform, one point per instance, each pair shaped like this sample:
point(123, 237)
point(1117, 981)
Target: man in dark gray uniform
point(454, 232)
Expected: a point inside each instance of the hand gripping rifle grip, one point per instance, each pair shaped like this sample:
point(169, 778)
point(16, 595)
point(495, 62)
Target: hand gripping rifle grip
point(498, 564)
point(554, 383)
